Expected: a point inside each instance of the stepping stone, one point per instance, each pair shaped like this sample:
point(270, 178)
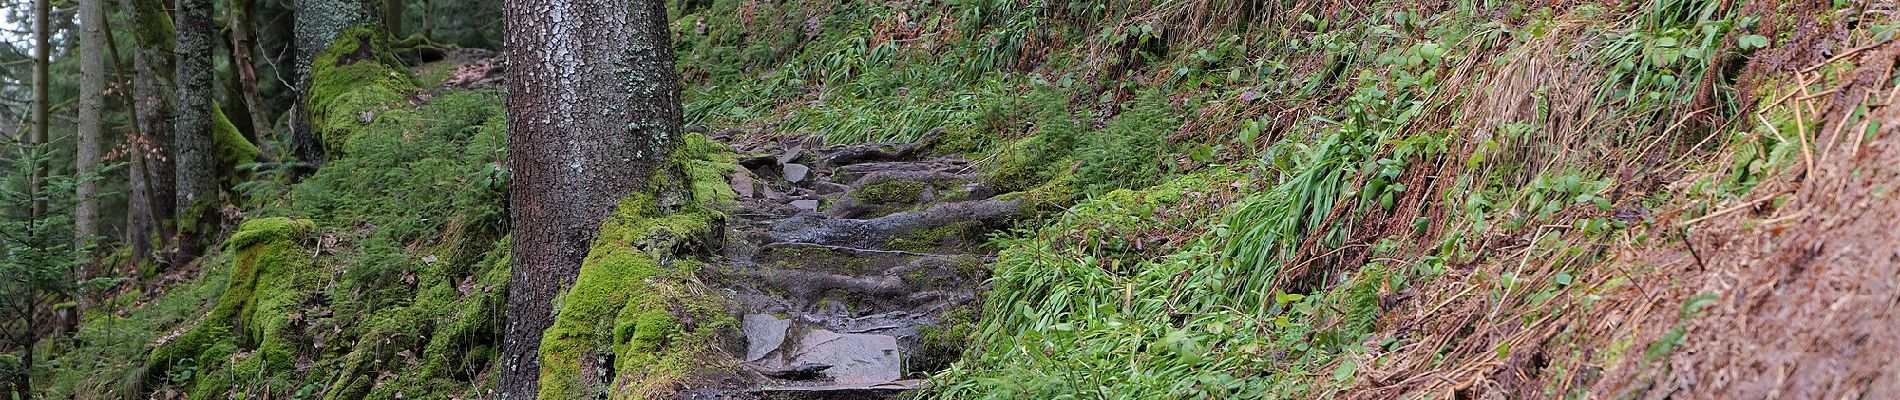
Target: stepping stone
point(763, 333)
point(854, 358)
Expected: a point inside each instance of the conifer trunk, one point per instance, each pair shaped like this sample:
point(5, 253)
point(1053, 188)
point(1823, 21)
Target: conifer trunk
point(193, 159)
point(317, 24)
point(92, 88)
point(42, 31)
point(151, 67)
point(593, 110)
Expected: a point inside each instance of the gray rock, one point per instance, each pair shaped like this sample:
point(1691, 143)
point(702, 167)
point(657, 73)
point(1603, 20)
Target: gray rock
point(742, 184)
point(854, 358)
point(807, 205)
point(763, 333)
point(796, 173)
point(800, 372)
point(790, 154)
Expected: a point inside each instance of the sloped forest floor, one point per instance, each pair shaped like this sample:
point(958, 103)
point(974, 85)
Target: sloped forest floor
point(1145, 199)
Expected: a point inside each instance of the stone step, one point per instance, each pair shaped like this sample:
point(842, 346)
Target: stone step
point(802, 355)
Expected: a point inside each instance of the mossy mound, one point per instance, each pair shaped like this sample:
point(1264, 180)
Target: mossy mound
point(250, 332)
point(636, 322)
point(356, 84)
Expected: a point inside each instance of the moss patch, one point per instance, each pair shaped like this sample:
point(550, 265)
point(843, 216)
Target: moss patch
point(355, 84)
point(932, 239)
point(892, 192)
point(233, 149)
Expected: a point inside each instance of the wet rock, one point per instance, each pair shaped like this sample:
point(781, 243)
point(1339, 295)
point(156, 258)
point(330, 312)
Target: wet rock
point(857, 154)
point(835, 300)
point(867, 233)
point(825, 188)
point(790, 155)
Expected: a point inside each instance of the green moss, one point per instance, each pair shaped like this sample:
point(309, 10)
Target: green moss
point(153, 26)
point(932, 239)
point(356, 84)
point(269, 276)
point(233, 149)
point(892, 192)
point(707, 164)
point(635, 299)
point(945, 342)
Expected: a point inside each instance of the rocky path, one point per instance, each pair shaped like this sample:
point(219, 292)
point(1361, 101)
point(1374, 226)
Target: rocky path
point(850, 262)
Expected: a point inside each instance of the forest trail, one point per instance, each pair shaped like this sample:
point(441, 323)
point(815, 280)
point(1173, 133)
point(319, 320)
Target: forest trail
point(846, 261)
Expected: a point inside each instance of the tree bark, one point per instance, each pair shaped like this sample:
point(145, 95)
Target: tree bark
point(317, 24)
point(138, 216)
point(242, 45)
point(92, 89)
point(392, 17)
point(593, 110)
point(42, 31)
point(151, 31)
point(194, 162)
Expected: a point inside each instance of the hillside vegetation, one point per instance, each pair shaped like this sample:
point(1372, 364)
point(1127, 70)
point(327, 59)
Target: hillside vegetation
point(1220, 199)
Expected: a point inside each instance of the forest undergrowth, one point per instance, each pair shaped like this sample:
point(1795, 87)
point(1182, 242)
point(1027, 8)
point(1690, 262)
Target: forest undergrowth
point(1229, 199)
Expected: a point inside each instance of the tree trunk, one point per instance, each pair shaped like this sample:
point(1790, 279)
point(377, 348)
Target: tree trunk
point(392, 17)
point(241, 47)
point(138, 205)
point(42, 30)
point(23, 385)
point(593, 109)
point(317, 24)
point(92, 89)
point(151, 67)
point(194, 162)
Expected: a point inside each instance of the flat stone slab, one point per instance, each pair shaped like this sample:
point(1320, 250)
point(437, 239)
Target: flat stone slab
point(763, 333)
point(854, 358)
point(907, 384)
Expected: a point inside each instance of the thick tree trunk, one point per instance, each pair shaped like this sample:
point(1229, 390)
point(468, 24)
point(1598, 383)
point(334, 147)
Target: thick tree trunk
point(317, 24)
point(92, 96)
point(193, 159)
point(392, 17)
point(593, 109)
point(241, 47)
point(151, 67)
